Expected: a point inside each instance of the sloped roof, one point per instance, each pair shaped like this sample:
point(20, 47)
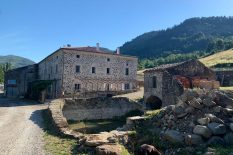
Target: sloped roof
point(167, 66)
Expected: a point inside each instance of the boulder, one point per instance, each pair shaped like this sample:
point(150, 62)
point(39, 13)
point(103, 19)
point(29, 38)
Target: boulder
point(223, 99)
point(194, 103)
point(217, 109)
point(213, 118)
point(193, 139)
point(227, 111)
point(148, 150)
point(228, 138)
point(217, 129)
point(182, 115)
point(204, 121)
point(173, 136)
point(208, 102)
point(97, 139)
point(109, 149)
point(189, 110)
point(179, 110)
point(202, 130)
point(216, 141)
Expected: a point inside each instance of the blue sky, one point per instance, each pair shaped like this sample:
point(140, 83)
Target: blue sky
point(35, 28)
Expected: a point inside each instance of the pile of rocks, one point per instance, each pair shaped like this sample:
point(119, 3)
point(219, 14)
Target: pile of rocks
point(199, 117)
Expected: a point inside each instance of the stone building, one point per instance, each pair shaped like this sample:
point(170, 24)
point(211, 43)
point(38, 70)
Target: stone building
point(225, 77)
point(88, 69)
point(163, 84)
point(17, 80)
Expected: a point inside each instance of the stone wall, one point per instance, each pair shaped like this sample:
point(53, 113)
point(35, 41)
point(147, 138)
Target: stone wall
point(98, 81)
point(225, 78)
point(97, 108)
point(60, 67)
point(21, 77)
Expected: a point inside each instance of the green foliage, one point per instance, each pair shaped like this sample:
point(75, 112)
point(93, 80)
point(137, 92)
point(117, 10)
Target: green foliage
point(39, 86)
point(4, 68)
point(205, 35)
point(172, 58)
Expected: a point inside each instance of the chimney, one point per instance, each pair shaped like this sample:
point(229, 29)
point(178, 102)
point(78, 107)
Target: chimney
point(97, 46)
point(118, 50)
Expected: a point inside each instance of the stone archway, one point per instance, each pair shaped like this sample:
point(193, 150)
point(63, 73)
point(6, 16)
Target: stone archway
point(153, 102)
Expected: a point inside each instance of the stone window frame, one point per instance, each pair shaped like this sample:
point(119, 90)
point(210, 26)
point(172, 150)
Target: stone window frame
point(77, 69)
point(77, 87)
point(108, 71)
point(127, 86)
point(126, 71)
point(93, 70)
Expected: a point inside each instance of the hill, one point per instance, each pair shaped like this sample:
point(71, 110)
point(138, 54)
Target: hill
point(202, 35)
point(220, 59)
point(15, 61)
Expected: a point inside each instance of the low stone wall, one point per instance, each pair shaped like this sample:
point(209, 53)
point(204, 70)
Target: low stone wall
point(98, 108)
point(60, 122)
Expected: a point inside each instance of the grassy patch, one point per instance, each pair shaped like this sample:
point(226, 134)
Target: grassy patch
point(56, 144)
point(152, 113)
point(226, 88)
point(221, 150)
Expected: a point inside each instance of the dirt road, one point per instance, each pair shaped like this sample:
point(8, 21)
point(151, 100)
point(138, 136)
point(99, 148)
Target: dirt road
point(21, 128)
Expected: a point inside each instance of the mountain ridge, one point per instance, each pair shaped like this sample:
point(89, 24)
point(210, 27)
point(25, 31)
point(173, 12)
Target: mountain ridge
point(202, 34)
point(15, 61)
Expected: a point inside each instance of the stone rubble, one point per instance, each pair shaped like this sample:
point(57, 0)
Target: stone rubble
point(199, 117)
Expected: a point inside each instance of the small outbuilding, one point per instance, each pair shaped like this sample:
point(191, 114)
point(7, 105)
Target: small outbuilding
point(163, 84)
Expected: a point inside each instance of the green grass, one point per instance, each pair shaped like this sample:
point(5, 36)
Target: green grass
point(96, 126)
point(55, 143)
point(152, 113)
point(223, 150)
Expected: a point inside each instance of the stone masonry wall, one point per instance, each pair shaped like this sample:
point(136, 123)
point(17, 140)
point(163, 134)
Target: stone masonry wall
point(97, 108)
point(225, 77)
point(98, 81)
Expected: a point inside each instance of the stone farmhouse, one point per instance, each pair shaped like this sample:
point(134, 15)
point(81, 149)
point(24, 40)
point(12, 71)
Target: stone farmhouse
point(163, 84)
point(85, 69)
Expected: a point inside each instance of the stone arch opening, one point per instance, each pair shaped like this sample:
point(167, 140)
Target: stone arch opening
point(153, 102)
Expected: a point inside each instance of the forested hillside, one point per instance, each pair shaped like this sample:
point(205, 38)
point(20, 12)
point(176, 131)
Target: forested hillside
point(15, 61)
point(193, 38)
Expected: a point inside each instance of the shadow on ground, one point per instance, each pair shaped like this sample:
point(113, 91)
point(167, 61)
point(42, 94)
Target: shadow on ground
point(7, 102)
point(52, 135)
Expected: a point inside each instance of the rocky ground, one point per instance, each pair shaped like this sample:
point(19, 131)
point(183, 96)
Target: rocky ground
point(199, 119)
point(20, 128)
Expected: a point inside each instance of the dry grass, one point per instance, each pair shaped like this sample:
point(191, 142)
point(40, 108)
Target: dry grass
point(218, 58)
point(226, 88)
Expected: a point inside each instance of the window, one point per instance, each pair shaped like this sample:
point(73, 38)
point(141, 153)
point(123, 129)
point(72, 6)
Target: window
point(108, 70)
point(77, 69)
point(77, 56)
point(51, 70)
point(154, 81)
point(127, 71)
point(77, 87)
point(108, 59)
point(127, 87)
point(93, 70)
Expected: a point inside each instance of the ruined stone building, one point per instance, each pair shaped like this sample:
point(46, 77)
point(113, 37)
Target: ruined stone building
point(225, 77)
point(163, 84)
point(87, 69)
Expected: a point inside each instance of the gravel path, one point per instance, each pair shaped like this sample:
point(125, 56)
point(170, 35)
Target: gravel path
point(21, 128)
